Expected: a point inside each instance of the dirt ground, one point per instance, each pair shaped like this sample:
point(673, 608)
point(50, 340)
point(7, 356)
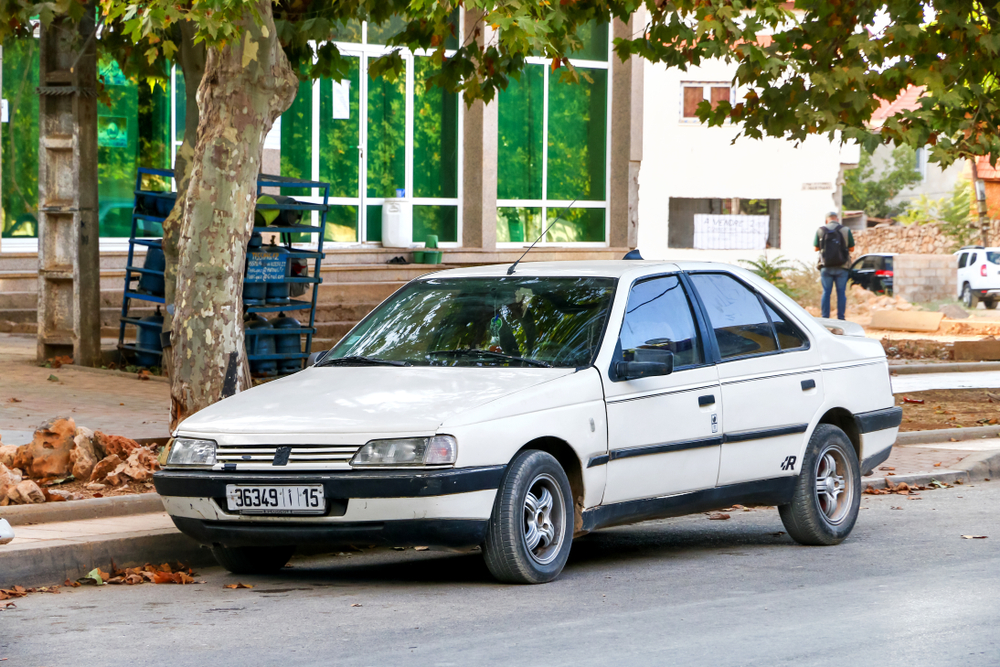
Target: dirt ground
point(79, 488)
point(949, 408)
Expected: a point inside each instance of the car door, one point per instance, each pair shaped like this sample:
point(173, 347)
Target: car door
point(861, 274)
point(770, 379)
point(963, 261)
point(664, 432)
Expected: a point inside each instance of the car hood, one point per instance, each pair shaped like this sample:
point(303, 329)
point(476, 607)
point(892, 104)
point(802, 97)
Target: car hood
point(364, 400)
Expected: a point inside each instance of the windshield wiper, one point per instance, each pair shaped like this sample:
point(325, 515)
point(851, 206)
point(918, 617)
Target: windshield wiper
point(488, 354)
point(369, 361)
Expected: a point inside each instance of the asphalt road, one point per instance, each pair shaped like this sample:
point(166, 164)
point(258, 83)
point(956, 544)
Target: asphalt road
point(904, 589)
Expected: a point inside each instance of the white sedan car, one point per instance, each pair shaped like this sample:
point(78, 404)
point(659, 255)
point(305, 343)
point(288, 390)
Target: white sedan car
point(516, 411)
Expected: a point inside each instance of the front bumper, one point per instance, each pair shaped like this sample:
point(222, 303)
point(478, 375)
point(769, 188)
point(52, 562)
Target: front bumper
point(394, 507)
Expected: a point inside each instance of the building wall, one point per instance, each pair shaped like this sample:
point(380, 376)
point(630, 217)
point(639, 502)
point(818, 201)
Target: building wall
point(923, 278)
point(681, 158)
point(935, 182)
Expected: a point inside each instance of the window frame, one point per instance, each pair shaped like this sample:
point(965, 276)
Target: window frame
point(544, 203)
point(706, 352)
point(760, 300)
point(706, 87)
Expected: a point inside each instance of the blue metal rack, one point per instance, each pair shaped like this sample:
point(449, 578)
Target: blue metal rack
point(133, 273)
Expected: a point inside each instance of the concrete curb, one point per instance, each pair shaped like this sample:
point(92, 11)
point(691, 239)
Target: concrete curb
point(953, 367)
point(27, 565)
point(978, 467)
point(123, 375)
point(92, 508)
point(947, 434)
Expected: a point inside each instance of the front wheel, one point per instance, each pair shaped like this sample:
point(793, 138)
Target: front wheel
point(252, 560)
point(531, 529)
point(828, 491)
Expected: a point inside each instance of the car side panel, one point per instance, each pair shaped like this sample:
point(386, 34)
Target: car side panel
point(570, 409)
point(860, 387)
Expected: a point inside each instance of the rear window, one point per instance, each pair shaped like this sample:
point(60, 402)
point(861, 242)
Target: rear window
point(993, 257)
point(963, 260)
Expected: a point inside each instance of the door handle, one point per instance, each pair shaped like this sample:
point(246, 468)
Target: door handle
point(808, 384)
point(706, 400)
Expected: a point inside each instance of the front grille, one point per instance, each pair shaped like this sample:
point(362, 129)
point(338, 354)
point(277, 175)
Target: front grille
point(301, 456)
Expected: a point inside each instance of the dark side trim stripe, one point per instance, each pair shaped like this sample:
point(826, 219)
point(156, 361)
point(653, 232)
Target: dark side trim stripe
point(681, 445)
point(879, 420)
point(743, 436)
point(777, 491)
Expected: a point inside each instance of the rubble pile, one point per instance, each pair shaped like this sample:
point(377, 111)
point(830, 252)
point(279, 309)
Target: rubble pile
point(62, 452)
point(917, 349)
point(862, 302)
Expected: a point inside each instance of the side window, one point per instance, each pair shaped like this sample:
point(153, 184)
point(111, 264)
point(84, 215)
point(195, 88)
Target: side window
point(972, 259)
point(869, 263)
point(658, 319)
point(741, 327)
point(887, 263)
point(790, 337)
point(962, 260)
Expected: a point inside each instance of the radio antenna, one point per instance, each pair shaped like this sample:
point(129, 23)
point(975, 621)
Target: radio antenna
point(510, 270)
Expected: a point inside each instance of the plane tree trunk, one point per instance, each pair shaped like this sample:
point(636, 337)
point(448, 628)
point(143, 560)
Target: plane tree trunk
point(247, 84)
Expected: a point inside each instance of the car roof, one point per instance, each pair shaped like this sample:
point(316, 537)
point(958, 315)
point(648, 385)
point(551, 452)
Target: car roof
point(588, 268)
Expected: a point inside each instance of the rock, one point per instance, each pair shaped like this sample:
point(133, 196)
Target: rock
point(8, 480)
point(64, 495)
point(105, 445)
point(141, 464)
point(7, 454)
point(48, 453)
point(96, 486)
point(950, 310)
point(117, 476)
point(26, 493)
point(83, 456)
point(104, 467)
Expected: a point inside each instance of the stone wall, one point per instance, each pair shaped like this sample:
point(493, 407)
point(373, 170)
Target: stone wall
point(923, 278)
point(914, 239)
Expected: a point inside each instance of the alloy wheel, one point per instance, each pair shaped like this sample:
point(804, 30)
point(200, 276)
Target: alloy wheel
point(834, 485)
point(544, 519)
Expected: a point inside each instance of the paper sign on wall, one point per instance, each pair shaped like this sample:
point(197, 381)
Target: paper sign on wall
point(342, 99)
point(731, 232)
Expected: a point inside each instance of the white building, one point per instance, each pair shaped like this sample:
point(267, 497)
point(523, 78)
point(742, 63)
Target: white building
point(690, 169)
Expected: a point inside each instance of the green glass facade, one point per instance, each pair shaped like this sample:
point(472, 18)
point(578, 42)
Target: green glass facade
point(370, 138)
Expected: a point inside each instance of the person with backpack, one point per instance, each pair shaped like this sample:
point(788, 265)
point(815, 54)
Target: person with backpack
point(834, 243)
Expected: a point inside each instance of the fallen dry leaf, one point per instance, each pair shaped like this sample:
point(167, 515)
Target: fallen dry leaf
point(144, 374)
point(938, 464)
point(718, 516)
point(240, 585)
point(895, 508)
point(907, 399)
point(356, 605)
point(887, 468)
point(72, 584)
point(973, 537)
point(13, 400)
point(420, 548)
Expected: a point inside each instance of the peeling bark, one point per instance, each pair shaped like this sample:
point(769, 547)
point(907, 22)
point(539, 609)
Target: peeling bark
point(192, 62)
point(246, 86)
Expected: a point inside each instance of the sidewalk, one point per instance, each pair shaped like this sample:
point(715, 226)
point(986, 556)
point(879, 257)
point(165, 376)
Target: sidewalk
point(49, 553)
point(115, 403)
point(946, 462)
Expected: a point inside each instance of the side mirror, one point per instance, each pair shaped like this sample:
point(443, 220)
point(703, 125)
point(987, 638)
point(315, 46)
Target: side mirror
point(316, 357)
point(633, 370)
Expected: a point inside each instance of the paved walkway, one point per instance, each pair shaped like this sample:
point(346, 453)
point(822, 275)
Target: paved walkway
point(913, 459)
point(924, 381)
point(109, 402)
point(86, 530)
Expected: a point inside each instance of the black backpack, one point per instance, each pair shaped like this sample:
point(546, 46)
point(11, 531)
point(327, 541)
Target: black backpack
point(832, 247)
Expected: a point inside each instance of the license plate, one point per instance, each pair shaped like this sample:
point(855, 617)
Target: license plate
point(276, 499)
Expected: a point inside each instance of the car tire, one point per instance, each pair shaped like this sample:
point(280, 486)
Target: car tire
point(252, 560)
point(531, 529)
point(828, 490)
point(969, 300)
point(991, 304)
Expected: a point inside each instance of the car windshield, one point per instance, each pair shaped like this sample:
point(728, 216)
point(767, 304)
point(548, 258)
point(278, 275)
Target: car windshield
point(993, 257)
point(506, 321)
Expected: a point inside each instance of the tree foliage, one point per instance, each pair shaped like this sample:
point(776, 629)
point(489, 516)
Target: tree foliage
point(869, 189)
point(953, 214)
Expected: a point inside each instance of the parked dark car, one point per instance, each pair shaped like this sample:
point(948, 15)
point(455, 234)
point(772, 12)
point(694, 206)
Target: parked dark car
point(873, 272)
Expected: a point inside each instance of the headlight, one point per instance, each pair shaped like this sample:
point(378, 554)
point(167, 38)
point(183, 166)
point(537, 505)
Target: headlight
point(190, 452)
point(436, 450)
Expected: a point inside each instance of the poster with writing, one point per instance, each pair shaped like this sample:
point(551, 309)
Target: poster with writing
point(731, 232)
point(266, 267)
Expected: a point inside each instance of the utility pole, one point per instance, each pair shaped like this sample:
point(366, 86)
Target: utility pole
point(69, 308)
